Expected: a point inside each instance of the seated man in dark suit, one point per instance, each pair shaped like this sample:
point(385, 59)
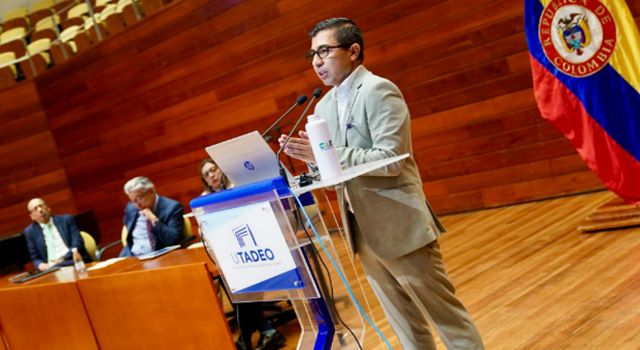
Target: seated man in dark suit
point(51, 238)
point(152, 221)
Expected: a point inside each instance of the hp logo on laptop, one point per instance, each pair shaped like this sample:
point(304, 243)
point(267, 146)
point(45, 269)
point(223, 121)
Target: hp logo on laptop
point(249, 166)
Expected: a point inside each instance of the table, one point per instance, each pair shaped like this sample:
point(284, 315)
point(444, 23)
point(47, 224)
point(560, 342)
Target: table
point(45, 316)
point(165, 303)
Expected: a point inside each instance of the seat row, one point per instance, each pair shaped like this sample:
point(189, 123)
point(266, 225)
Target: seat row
point(44, 9)
point(28, 51)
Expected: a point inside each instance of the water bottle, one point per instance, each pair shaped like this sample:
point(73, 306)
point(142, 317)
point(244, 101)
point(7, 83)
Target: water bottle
point(78, 263)
point(323, 148)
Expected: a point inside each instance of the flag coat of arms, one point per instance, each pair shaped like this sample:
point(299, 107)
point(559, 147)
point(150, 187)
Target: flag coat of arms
point(585, 60)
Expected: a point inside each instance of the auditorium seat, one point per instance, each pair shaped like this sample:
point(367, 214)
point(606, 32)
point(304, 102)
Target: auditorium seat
point(47, 22)
point(107, 11)
point(82, 41)
point(113, 20)
point(13, 34)
point(115, 24)
point(89, 245)
point(61, 52)
point(18, 47)
point(66, 46)
point(130, 11)
point(129, 15)
point(39, 60)
point(42, 5)
point(68, 22)
point(6, 57)
point(99, 3)
point(79, 10)
point(33, 66)
point(17, 12)
point(69, 33)
point(93, 34)
point(19, 22)
point(121, 4)
point(41, 47)
point(62, 7)
point(89, 22)
point(7, 78)
point(47, 33)
point(36, 16)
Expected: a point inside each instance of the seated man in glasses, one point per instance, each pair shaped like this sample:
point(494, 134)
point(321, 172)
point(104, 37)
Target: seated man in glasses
point(152, 221)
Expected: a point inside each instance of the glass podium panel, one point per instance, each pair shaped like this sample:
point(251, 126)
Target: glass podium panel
point(265, 248)
point(246, 230)
point(344, 314)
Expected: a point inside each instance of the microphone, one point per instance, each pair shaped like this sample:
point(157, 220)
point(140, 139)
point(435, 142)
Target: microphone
point(300, 100)
point(316, 93)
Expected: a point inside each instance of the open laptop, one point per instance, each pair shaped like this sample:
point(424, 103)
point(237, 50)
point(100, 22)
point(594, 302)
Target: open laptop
point(245, 159)
point(157, 253)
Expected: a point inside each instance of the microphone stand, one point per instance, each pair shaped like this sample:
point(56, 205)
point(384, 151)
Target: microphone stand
point(316, 93)
point(300, 100)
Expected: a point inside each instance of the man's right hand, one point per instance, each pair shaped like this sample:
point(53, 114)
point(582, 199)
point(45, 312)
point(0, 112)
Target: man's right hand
point(43, 266)
point(149, 215)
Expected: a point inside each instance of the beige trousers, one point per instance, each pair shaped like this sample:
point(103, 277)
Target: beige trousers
point(414, 290)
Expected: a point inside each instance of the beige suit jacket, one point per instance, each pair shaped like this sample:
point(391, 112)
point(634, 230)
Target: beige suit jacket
point(389, 204)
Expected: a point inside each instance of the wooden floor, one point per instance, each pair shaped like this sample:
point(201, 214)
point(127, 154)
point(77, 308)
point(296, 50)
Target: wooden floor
point(532, 281)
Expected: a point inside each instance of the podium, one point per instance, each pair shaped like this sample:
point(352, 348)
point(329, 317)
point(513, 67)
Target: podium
point(255, 235)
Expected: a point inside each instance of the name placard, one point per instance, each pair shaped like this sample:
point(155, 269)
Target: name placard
point(250, 249)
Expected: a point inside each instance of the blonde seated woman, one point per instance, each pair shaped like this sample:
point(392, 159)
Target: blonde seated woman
point(249, 315)
point(212, 177)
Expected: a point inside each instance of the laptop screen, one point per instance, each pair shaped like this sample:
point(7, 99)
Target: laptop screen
point(245, 159)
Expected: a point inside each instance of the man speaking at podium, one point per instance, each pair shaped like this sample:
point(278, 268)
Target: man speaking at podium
point(388, 220)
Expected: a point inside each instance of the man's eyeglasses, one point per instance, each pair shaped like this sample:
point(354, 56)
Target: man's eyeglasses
point(138, 197)
point(323, 51)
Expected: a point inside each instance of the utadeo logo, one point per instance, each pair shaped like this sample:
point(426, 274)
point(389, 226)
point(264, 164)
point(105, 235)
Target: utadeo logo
point(244, 235)
point(244, 232)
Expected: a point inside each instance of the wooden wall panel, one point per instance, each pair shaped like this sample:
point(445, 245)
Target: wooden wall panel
point(147, 101)
point(29, 162)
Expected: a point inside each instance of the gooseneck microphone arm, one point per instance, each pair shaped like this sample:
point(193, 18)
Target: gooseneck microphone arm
point(300, 100)
point(316, 93)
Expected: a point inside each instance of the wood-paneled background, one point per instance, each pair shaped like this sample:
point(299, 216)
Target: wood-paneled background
point(147, 101)
point(29, 162)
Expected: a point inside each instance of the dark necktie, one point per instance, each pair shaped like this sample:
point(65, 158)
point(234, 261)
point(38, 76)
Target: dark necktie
point(152, 238)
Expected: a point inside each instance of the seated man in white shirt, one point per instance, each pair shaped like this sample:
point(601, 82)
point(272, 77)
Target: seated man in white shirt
point(51, 238)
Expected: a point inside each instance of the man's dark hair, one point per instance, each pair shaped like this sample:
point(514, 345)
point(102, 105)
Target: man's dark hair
point(347, 32)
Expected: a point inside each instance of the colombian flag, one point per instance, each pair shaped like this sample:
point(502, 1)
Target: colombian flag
point(585, 58)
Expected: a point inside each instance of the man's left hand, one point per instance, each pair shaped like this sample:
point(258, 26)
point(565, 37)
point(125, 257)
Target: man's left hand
point(298, 147)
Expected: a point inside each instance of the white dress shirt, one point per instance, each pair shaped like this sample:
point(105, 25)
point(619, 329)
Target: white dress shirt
point(341, 94)
point(59, 247)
